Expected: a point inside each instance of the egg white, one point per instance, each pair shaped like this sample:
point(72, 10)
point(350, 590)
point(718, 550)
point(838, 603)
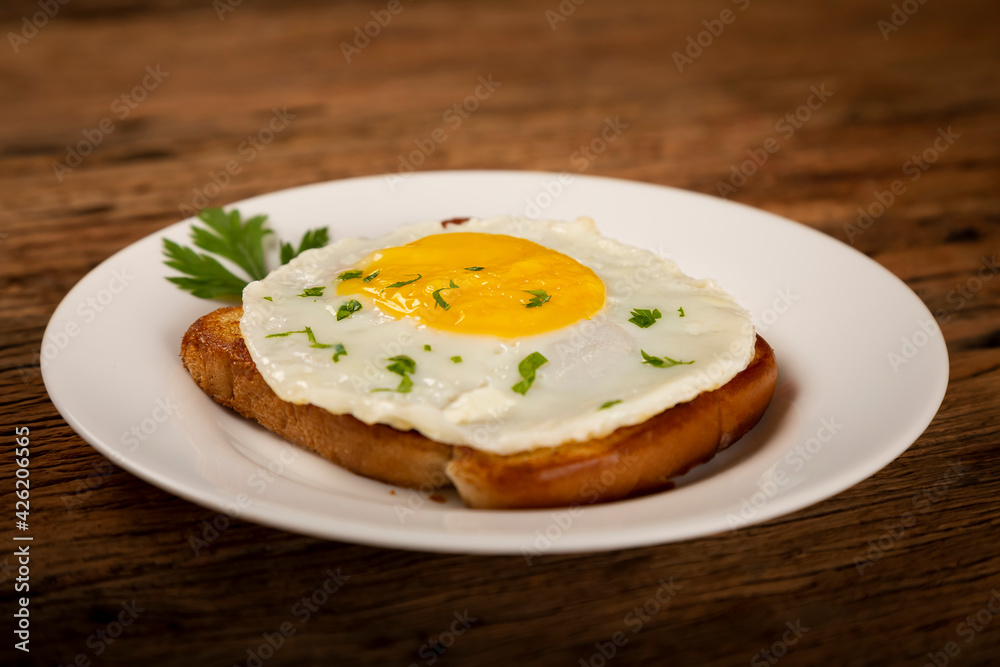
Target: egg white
point(590, 363)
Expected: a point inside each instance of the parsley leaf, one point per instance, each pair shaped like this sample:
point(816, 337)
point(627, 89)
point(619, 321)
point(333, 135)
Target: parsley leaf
point(681, 311)
point(541, 296)
point(285, 333)
point(427, 348)
point(665, 362)
point(456, 359)
point(403, 366)
point(225, 235)
point(349, 275)
point(267, 298)
point(644, 318)
point(208, 279)
point(527, 369)
point(371, 276)
point(348, 308)
point(474, 268)
point(406, 282)
point(338, 351)
point(439, 299)
point(608, 404)
point(313, 238)
point(312, 291)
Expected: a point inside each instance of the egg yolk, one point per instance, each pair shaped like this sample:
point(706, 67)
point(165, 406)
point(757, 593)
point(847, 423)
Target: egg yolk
point(476, 283)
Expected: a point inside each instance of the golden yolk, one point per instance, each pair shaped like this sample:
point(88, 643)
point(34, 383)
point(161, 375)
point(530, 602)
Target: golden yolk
point(477, 283)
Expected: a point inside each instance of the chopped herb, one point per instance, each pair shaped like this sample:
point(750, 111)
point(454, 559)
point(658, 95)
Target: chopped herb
point(371, 276)
point(427, 348)
point(349, 275)
point(527, 369)
point(338, 351)
point(314, 238)
point(665, 362)
point(541, 296)
point(439, 299)
point(227, 236)
point(284, 333)
point(401, 365)
point(307, 331)
point(313, 291)
point(348, 308)
point(642, 317)
point(608, 404)
point(681, 311)
point(456, 359)
point(405, 282)
point(474, 268)
point(267, 298)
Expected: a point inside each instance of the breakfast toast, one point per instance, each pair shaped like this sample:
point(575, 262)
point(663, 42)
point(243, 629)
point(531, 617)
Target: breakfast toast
point(630, 461)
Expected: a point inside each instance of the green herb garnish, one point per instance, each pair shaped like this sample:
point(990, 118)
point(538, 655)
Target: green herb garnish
point(346, 309)
point(474, 268)
point(665, 362)
point(403, 366)
point(227, 236)
point(307, 331)
point(313, 291)
point(644, 318)
point(267, 298)
point(456, 359)
point(527, 369)
point(608, 404)
point(371, 276)
point(405, 282)
point(284, 333)
point(314, 238)
point(681, 311)
point(349, 275)
point(439, 299)
point(541, 296)
point(427, 348)
point(338, 351)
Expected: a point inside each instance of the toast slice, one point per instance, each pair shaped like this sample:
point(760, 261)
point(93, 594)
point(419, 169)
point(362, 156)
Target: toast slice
point(631, 461)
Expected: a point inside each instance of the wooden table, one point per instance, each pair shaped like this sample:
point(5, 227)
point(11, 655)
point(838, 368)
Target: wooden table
point(160, 95)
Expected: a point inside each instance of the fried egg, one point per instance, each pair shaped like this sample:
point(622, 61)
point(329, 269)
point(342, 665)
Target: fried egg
point(504, 334)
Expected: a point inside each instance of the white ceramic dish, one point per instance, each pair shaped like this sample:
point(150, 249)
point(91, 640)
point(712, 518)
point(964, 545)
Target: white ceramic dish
point(845, 406)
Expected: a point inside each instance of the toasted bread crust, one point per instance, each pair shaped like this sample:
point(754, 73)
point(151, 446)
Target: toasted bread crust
point(630, 461)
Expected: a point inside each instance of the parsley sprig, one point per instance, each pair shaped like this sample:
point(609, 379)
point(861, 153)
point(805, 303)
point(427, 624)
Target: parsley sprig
point(241, 242)
point(644, 318)
point(540, 297)
point(664, 362)
point(527, 369)
point(403, 366)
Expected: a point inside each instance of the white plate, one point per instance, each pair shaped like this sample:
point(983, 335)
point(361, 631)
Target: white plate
point(845, 406)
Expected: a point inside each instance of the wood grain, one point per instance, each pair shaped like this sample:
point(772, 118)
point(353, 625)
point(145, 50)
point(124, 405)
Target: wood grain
point(105, 538)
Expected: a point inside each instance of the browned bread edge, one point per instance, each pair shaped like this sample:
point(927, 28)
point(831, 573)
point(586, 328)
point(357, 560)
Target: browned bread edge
point(630, 461)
